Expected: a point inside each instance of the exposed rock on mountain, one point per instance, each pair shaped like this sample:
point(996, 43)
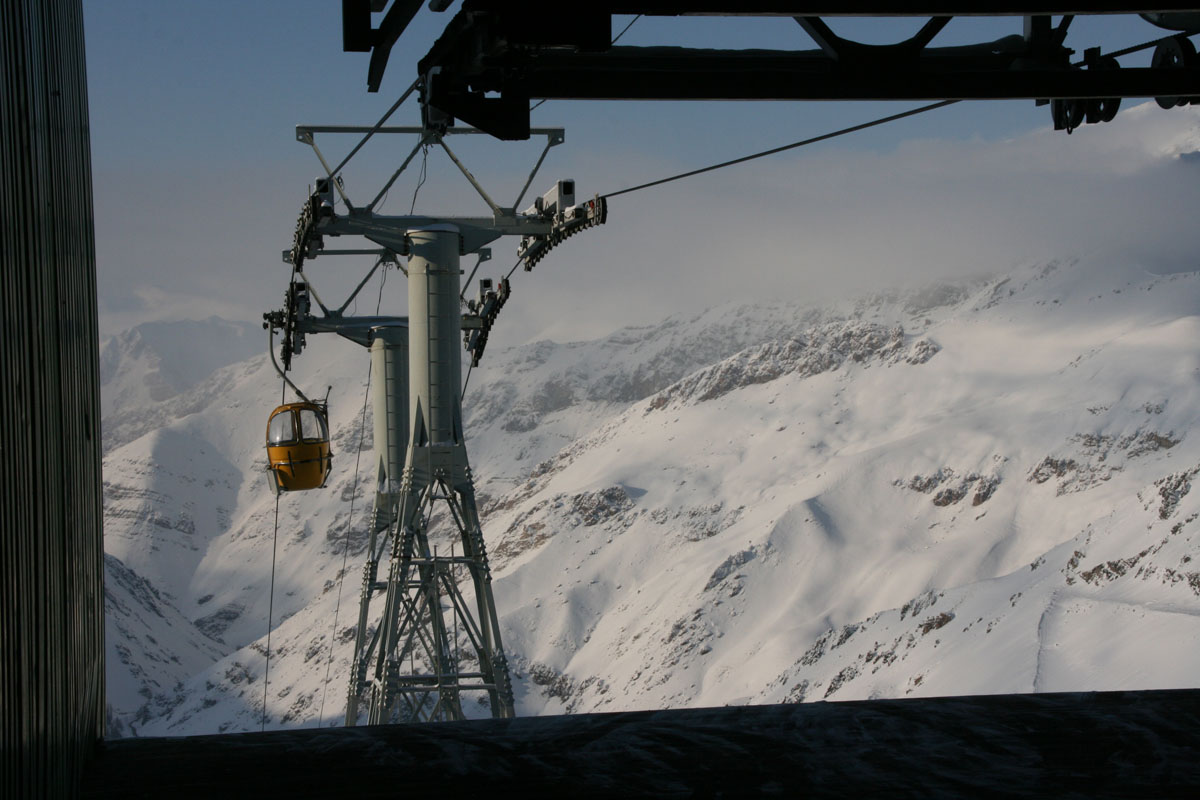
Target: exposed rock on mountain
point(982, 487)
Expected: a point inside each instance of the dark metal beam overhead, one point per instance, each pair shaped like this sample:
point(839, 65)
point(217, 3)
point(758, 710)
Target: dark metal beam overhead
point(841, 8)
point(495, 56)
point(735, 75)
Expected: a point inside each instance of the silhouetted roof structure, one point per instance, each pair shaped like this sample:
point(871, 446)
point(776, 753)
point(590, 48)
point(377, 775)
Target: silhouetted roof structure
point(1105, 744)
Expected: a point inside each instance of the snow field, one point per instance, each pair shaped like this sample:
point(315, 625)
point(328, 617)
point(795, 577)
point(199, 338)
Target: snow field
point(975, 489)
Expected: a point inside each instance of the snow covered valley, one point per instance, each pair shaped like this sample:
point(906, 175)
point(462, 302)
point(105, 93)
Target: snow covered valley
point(972, 488)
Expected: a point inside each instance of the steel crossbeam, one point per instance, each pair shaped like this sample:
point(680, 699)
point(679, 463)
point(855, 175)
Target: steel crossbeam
point(496, 56)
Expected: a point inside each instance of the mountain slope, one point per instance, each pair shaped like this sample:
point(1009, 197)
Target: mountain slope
point(155, 361)
point(974, 488)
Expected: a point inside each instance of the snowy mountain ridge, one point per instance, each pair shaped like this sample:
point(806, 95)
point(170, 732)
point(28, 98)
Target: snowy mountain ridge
point(158, 361)
point(972, 488)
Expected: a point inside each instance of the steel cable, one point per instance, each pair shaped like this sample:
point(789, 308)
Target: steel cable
point(421, 180)
point(362, 425)
point(813, 140)
point(270, 613)
point(863, 126)
point(271, 600)
point(804, 142)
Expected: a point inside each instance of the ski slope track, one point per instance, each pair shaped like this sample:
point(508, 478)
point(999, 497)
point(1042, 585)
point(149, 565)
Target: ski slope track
point(975, 488)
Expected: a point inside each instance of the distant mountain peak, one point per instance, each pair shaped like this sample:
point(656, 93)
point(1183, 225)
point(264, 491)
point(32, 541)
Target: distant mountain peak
point(973, 487)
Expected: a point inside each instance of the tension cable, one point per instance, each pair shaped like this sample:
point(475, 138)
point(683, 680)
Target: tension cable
point(823, 137)
point(271, 594)
point(863, 126)
point(362, 425)
point(420, 181)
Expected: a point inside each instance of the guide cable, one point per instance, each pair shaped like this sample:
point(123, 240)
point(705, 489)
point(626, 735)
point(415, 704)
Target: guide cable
point(863, 126)
point(1088, 61)
point(514, 268)
point(362, 426)
point(420, 181)
point(271, 593)
point(803, 142)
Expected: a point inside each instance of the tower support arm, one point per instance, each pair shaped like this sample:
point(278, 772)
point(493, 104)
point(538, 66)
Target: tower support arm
point(475, 232)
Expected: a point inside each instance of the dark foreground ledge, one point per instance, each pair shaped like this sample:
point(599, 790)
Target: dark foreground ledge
point(1104, 744)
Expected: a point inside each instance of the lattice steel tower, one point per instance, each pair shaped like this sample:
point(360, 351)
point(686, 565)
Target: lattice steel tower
point(430, 646)
point(409, 666)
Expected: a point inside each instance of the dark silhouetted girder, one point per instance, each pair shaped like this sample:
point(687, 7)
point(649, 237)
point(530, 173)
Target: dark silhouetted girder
point(495, 56)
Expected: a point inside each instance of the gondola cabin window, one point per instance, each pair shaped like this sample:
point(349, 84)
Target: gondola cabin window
point(312, 426)
point(281, 430)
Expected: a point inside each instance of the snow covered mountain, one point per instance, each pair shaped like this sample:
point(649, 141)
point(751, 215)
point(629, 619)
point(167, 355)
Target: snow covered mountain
point(157, 361)
point(968, 489)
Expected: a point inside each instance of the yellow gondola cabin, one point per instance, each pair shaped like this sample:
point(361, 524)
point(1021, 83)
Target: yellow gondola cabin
point(298, 453)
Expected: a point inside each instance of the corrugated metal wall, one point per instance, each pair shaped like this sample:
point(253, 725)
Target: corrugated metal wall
point(51, 577)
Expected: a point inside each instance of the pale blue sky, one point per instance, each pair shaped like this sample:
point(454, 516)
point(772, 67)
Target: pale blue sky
point(199, 179)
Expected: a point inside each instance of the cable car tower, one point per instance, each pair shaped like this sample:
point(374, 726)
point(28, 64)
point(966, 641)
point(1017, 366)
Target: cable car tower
point(409, 662)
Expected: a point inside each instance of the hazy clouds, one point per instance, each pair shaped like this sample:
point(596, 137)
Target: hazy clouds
point(798, 226)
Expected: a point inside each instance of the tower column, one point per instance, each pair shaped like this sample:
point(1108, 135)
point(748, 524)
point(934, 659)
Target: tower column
point(389, 406)
point(435, 317)
point(431, 647)
point(390, 403)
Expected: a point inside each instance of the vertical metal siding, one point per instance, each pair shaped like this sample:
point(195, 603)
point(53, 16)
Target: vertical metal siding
point(51, 574)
